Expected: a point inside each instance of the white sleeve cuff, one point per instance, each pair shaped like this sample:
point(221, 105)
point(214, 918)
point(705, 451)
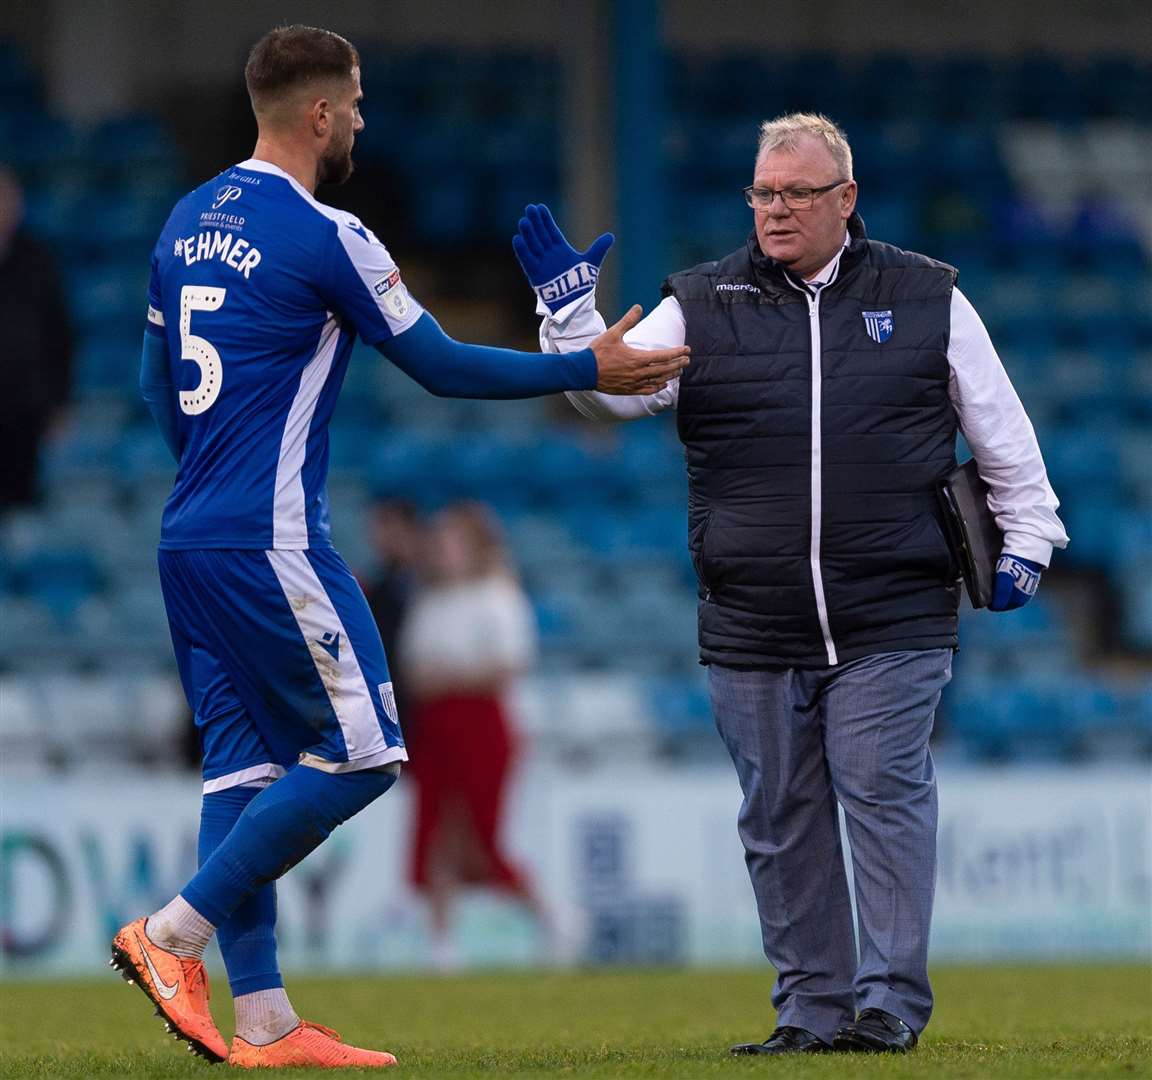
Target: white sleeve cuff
point(1028, 546)
point(561, 318)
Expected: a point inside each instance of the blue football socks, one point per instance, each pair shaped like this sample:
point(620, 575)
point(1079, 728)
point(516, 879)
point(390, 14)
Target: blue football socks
point(247, 938)
point(278, 828)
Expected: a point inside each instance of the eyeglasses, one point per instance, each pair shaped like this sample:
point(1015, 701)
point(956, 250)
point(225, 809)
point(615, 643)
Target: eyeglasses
point(795, 198)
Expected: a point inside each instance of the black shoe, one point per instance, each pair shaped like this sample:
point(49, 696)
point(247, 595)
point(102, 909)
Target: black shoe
point(876, 1031)
point(784, 1040)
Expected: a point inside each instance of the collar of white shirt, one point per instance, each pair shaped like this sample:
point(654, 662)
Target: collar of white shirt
point(826, 275)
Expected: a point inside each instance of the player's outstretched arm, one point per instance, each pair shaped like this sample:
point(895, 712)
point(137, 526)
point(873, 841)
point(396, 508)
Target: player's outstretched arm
point(359, 279)
point(449, 368)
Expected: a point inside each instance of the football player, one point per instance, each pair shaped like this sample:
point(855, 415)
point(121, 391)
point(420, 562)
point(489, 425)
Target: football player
point(257, 294)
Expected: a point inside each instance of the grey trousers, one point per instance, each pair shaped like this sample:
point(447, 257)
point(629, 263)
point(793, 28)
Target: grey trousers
point(803, 741)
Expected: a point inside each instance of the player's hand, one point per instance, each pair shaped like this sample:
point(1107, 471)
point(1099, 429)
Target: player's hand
point(1017, 580)
point(554, 268)
point(624, 370)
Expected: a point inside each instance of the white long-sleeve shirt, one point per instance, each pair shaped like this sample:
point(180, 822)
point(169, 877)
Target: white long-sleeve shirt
point(988, 409)
point(473, 628)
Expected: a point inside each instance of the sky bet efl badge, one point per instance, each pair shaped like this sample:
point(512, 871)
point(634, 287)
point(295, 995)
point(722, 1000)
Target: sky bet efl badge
point(878, 324)
point(391, 291)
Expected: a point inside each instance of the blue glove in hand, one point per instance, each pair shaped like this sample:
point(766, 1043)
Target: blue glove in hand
point(1016, 582)
point(555, 269)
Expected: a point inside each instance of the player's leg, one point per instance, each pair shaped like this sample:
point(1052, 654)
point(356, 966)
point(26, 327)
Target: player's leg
point(247, 938)
point(164, 951)
point(284, 823)
point(789, 825)
point(269, 652)
point(879, 713)
point(237, 764)
point(303, 655)
point(267, 838)
point(306, 652)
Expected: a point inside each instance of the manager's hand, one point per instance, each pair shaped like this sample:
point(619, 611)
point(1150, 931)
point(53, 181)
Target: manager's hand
point(1017, 580)
point(554, 268)
point(620, 369)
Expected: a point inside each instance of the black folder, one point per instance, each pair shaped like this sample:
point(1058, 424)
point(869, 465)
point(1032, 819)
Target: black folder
point(975, 538)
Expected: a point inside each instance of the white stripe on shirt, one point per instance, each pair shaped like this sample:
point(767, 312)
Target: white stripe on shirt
point(289, 514)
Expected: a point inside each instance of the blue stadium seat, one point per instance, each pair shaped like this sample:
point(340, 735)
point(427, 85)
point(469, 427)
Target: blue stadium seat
point(59, 579)
point(893, 220)
point(124, 228)
point(137, 138)
point(144, 457)
point(1107, 723)
point(1132, 538)
point(55, 211)
point(680, 707)
point(880, 88)
point(508, 190)
point(972, 89)
point(80, 454)
point(1092, 519)
point(1140, 706)
point(107, 360)
point(561, 465)
point(1118, 87)
point(1085, 457)
point(1134, 464)
point(1037, 627)
point(1044, 89)
point(40, 143)
point(1008, 719)
point(110, 296)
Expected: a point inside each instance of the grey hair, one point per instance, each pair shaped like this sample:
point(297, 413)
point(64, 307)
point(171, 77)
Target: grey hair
point(785, 131)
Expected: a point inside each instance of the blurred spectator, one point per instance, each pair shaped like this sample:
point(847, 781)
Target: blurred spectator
point(397, 535)
point(36, 373)
point(470, 634)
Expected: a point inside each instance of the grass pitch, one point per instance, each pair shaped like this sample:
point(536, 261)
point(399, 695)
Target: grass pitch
point(990, 1022)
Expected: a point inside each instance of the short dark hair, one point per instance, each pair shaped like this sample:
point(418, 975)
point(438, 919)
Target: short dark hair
point(290, 56)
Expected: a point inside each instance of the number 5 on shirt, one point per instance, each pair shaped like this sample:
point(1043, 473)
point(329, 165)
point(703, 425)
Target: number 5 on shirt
point(199, 350)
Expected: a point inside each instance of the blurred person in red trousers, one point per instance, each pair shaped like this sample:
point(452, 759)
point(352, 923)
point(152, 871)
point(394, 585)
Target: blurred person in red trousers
point(470, 633)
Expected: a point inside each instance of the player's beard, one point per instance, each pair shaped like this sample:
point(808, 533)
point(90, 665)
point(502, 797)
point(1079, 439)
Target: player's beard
point(336, 165)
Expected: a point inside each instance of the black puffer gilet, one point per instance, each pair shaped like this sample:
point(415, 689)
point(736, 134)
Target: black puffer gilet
point(884, 437)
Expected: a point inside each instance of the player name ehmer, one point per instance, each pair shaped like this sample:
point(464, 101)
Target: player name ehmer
point(225, 246)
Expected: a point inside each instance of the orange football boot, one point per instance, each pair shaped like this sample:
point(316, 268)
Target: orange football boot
point(176, 985)
point(308, 1044)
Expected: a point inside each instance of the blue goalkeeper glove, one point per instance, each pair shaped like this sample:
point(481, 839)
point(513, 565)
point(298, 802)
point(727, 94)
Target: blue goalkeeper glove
point(1017, 580)
point(554, 268)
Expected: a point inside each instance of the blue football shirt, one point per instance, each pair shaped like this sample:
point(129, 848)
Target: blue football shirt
point(260, 291)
